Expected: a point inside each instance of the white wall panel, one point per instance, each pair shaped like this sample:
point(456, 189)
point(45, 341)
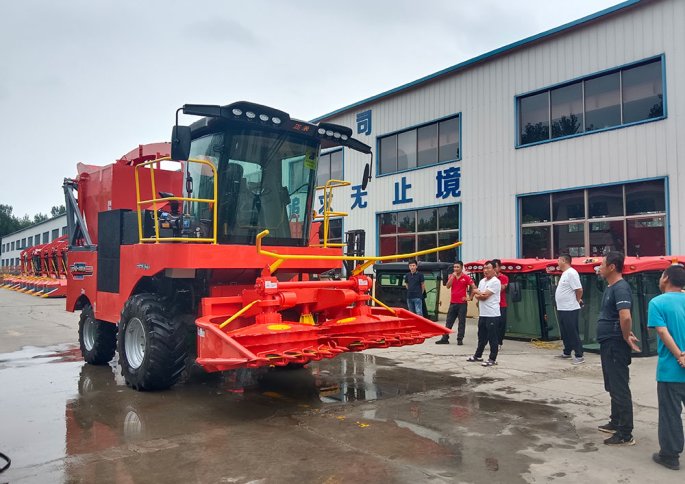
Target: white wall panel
point(493, 171)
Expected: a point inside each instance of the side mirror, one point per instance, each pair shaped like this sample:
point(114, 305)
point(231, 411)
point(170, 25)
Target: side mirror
point(366, 177)
point(180, 143)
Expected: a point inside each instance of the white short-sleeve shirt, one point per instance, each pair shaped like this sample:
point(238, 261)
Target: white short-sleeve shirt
point(565, 294)
point(490, 306)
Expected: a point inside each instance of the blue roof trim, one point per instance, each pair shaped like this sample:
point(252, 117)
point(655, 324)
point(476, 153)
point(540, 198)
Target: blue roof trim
point(483, 57)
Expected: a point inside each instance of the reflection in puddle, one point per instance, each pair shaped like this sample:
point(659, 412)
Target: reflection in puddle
point(77, 422)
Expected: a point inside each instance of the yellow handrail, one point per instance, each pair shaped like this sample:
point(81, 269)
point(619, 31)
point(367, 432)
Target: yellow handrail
point(156, 239)
point(327, 212)
point(239, 313)
point(367, 260)
point(381, 304)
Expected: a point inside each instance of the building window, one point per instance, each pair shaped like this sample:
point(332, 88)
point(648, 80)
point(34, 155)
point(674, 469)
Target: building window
point(23, 243)
point(64, 231)
point(30, 241)
point(615, 98)
point(335, 231)
point(12, 245)
point(330, 167)
point(429, 144)
point(55, 234)
point(414, 230)
point(46, 236)
point(589, 222)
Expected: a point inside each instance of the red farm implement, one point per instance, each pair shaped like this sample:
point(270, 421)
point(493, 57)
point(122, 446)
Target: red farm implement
point(200, 250)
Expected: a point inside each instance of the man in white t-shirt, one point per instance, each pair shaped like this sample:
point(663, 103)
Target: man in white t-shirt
point(569, 297)
point(488, 295)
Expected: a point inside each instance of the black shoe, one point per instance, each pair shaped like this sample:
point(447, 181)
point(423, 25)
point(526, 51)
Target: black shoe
point(609, 428)
point(620, 440)
point(668, 462)
point(442, 341)
point(460, 342)
point(473, 359)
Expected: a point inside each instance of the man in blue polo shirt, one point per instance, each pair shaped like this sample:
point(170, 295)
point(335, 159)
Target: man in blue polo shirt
point(667, 314)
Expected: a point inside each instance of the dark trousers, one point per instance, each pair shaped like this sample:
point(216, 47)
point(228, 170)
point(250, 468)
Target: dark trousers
point(502, 324)
point(456, 311)
point(616, 357)
point(671, 401)
point(488, 332)
point(568, 324)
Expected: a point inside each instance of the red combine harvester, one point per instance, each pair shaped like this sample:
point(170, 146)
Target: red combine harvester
point(205, 254)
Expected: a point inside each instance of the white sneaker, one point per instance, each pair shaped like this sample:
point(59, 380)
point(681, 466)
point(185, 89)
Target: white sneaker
point(564, 356)
point(578, 360)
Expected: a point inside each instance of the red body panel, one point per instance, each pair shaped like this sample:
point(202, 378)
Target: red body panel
point(513, 265)
point(141, 260)
point(631, 265)
point(113, 186)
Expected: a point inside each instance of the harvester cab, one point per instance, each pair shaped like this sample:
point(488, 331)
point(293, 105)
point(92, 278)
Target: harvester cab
point(265, 163)
point(200, 251)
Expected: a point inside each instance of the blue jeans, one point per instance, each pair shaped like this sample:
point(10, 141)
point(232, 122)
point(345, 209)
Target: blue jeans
point(415, 305)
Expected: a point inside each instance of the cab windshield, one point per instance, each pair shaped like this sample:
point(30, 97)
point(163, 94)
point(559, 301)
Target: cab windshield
point(265, 181)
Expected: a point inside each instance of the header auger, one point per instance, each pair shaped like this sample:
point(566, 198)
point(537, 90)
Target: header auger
point(203, 251)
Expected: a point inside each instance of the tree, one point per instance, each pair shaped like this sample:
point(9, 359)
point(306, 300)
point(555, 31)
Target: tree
point(8, 222)
point(566, 125)
point(57, 210)
point(39, 217)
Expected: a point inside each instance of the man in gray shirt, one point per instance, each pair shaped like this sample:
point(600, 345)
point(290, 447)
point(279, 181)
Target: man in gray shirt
point(616, 341)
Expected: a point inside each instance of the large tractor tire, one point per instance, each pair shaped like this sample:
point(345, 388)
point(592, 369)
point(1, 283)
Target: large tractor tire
point(98, 339)
point(152, 348)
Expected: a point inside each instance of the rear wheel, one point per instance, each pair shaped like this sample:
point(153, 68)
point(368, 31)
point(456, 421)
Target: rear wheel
point(152, 349)
point(97, 339)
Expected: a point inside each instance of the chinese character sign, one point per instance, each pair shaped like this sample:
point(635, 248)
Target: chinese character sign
point(358, 197)
point(448, 181)
point(364, 122)
point(401, 192)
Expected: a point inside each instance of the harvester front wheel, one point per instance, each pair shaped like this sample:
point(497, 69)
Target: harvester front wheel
point(98, 339)
point(152, 349)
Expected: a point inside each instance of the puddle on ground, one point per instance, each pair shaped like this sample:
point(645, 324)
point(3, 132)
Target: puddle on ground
point(325, 422)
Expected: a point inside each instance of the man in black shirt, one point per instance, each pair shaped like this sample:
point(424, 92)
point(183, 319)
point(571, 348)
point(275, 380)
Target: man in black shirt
point(616, 341)
point(414, 282)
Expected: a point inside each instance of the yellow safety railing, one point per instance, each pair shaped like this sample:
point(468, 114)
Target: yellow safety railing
point(328, 212)
point(155, 201)
point(366, 261)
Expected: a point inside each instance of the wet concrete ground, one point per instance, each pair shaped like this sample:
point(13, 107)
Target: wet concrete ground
point(356, 418)
point(412, 414)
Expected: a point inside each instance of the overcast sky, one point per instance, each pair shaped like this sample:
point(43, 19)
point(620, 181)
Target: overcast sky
point(89, 80)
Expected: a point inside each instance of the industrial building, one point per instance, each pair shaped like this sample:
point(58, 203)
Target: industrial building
point(12, 244)
point(566, 141)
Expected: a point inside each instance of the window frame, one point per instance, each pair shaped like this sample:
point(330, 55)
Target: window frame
point(416, 127)
point(666, 214)
point(416, 231)
point(328, 152)
point(517, 98)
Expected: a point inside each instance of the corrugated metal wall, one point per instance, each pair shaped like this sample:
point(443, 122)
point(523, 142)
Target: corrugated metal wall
point(493, 171)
